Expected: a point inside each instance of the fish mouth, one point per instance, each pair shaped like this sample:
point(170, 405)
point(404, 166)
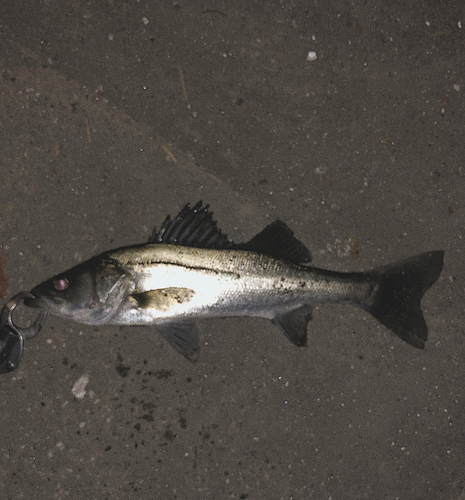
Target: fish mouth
point(41, 301)
point(33, 301)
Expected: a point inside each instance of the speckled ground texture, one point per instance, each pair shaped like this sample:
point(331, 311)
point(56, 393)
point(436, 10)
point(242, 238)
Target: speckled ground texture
point(114, 114)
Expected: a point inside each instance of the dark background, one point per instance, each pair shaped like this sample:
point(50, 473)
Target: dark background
point(114, 114)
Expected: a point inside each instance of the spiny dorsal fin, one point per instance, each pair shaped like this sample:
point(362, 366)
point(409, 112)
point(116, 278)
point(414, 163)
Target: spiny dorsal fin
point(278, 241)
point(193, 227)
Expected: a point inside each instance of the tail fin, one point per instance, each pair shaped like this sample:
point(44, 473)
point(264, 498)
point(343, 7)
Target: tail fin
point(395, 301)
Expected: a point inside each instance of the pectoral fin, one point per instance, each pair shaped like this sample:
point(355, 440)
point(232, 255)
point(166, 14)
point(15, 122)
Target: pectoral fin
point(163, 299)
point(294, 324)
point(183, 337)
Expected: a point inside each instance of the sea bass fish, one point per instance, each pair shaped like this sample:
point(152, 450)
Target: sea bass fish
point(189, 269)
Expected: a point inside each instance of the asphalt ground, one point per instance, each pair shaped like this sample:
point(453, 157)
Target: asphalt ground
point(114, 114)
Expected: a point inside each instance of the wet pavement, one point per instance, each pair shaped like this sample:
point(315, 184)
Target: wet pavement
point(115, 114)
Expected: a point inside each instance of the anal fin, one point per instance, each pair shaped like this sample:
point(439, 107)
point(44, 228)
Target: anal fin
point(294, 324)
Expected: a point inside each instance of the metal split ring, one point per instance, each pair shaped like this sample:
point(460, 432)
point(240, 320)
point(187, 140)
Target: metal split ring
point(12, 337)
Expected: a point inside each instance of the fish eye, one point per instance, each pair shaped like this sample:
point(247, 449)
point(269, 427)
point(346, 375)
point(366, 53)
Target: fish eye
point(61, 284)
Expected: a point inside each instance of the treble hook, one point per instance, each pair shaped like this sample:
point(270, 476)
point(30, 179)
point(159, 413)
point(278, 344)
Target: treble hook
point(12, 337)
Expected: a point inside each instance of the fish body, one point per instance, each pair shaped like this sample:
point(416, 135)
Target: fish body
point(190, 270)
point(170, 282)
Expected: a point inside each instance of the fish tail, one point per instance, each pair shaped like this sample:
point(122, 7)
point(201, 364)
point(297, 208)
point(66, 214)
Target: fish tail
point(398, 289)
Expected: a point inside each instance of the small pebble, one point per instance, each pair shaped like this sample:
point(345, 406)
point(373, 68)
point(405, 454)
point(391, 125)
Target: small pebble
point(79, 387)
point(312, 56)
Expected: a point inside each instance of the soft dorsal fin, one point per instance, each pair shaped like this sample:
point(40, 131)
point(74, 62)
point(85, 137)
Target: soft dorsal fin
point(193, 227)
point(278, 241)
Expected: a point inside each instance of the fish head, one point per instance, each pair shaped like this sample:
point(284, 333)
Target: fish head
point(90, 293)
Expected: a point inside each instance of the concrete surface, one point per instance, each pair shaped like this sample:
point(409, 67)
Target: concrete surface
point(114, 114)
